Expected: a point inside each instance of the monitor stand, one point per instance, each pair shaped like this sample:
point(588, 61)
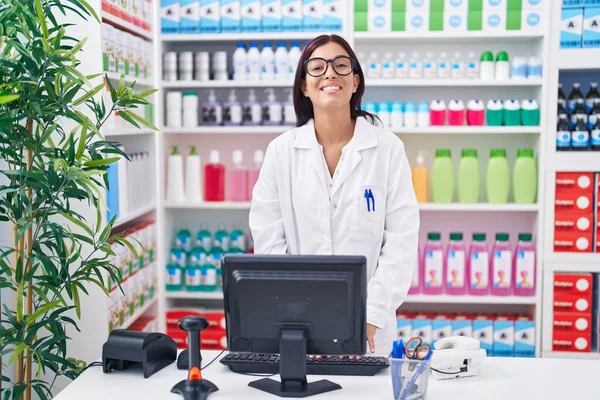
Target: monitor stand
point(292, 369)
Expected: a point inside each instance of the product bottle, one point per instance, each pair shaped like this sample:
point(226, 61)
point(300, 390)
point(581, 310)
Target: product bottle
point(579, 112)
point(455, 265)
point(563, 134)
point(534, 68)
point(525, 177)
point(494, 114)
point(238, 239)
point(415, 283)
point(456, 113)
point(211, 111)
point(397, 116)
point(401, 66)
point(502, 66)
point(204, 239)
point(267, 63)
point(388, 70)
point(501, 266)
point(423, 115)
point(410, 115)
point(433, 265)
point(183, 240)
point(458, 66)
point(174, 278)
point(469, 177)
point(498, 177)
point(442, 177)
point(415, 68)
point(429, 66)
point(443, 66)
point(512, 112)
point(289, 114)
point(252, 110)
point(293, 59)
point(561, 96)
point(175, 186)
point(420, 178)
point(281, 62)
point(524, 267)
point(574, 96)
point(253, 63)
point(384, 114)
point(193, 270)
point(437, 112)
point(214, 178)
point(479, 266)
point(472, 66)
point(232, 110)
point(519, 68)
point(580, 137)
point(237, 179)
point(239, 62)
point(487, 67)
point(593, 115)
point(595, 136)
point(193, 180)
point(374, 71)
point(272, 110)
point(592, 97)
point(530, 113)
point(209, 270)
point(222, 240)
point(254, 172)
point(475, 113)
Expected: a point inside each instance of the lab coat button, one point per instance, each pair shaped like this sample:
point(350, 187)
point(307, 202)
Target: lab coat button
point(335, 206)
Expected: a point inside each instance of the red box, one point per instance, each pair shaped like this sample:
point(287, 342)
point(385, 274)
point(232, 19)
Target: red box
point(576, 223)
point(572, 322)
point(571, 341)
point(573, 284)
point(213, 339)
point(573, 242)
point(598, 236)
point(568, 303)
point(574, 181)
point(216, 319)
point(574, 202)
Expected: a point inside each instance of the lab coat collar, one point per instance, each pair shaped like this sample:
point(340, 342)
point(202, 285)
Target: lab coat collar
point(364, 135)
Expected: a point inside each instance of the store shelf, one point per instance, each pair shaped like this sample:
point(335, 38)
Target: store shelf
point(572, 262)
point(226, 84)
point(471, 130)
point(133, 216)
point(578, 59)
point(447, 299)
point(451, 36)
point(118, 22)
point(570, 355)
point(114, 76)
point(129, 321)
point(235, 37)
point(195, 295)
point(451, 82)
point(578, 161)
point(479, 207)
point(133, 132)
point(227, 130)
point(222, 205)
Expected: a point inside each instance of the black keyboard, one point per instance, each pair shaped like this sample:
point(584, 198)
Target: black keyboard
point(316, 365)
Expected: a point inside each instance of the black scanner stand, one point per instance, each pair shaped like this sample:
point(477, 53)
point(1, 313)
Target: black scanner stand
point(124, 348)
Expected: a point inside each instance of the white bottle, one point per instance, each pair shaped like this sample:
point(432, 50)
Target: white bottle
point(252, 113)
point(267, 63)
point(190, 109)
point(519, 68)
point(415, 69)
point(281, 63)
point(423, 115)
point(458, 66)
point(273, 111)
point(362, 61)
point(397, 116)
point(384, 115)
point(401, 66)
point(293, 59)
point(253, 63)
point(388, 70)
point(175, 186)
point(174, 109)
point(289, 113)
point(472, 66)
point(193, 180)
point(443, 66)
point(232, 110)
point(410, 115)
point(429, 66)
point(186, 66)
point(239, 63)
point(374, 71)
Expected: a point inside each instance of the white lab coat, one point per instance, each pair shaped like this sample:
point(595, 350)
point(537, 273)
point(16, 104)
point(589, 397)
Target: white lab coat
point(292, 213)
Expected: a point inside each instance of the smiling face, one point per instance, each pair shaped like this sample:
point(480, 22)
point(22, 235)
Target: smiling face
point(331, 90)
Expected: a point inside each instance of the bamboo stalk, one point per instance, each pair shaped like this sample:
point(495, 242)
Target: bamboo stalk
point(19, 359)
point(28, 269)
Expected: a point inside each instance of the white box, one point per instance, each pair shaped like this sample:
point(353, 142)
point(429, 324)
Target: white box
point(494, 5)
point(210, 16)
point(451, 6)
point(380, 6)
point(292, 15)
point(532, 20)
point(417, 22)
point(417, 6)
point(190, 16)
point(333, 15)
point(571, 28)
point(251, 16)
point(313, 15)
point(494, 21)
point(169, 16)
point(380, 22)
point(455, 21)
point(231, 16)
point(271, 15)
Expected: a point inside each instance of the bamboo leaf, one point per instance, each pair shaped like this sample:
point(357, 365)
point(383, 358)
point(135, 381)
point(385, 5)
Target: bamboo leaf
point(41, 18)
point(141, 120)
point(18, 350)
point(8, 98)
point(42, 310)
point(123, 114)
point(76, 301)
point(77, 222)
point(102, 162)
point(82, 141)
point(88, 95)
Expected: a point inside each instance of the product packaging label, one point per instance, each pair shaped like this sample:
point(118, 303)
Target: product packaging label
point(271, 15)
point(404, 328)
point(231, 15)
point(313, 15)
point(571, 28)
point(292, 15)
point(483, 330)
point(456, 269)
point(173, 276)
point(169, 16)
point(423, 328)
point(502, 264)
point(524, 339)
point(210, 16)
point(190, 16)
point(333, 15)
point(251, 16)
point(504, 338)
point(480, 267)
point(462, 327)
point(434, 261)
point(525, 278)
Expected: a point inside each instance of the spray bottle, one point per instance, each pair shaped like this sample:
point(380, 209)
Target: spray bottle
point(289, 114)
point(252, 111)
point(232, 112)
point(420, 177)
point(211, 110)
point(272, 110)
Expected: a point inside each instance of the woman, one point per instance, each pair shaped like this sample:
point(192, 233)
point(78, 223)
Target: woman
point(338, 185)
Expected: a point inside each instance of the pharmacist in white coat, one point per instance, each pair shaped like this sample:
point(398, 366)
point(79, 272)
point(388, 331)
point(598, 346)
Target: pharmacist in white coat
point(339, 185)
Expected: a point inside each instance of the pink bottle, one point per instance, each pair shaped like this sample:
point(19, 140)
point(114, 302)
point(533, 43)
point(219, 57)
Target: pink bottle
point(455, 266)
point(475, 113)
point(524, 267)
point(437, 113)
point(237, 179)
point(479, 266)
point(254, 172)
point(433, 265)
point(415, 284)
point(456, 113)
point(501, 269)
point(214, 178)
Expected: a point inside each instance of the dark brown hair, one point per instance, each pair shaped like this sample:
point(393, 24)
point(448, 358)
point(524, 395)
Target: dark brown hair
point(303, 105)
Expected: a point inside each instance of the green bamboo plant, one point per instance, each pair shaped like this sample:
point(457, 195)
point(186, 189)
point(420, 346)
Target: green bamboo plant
point(50, 121)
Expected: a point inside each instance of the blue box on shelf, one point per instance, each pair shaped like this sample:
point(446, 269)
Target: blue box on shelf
point(591, 27)
point(251, 16)
point(313, 15)
point(189, 16)
point(169, 16)
point(210, 16)
point(292, 15)
point(571, 28)
point(271, 16)
point(231, 16)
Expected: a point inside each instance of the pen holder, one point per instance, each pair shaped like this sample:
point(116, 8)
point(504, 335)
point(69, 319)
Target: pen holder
point(409, 378)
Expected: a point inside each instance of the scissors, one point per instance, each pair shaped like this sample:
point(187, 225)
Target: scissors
point(415, 349)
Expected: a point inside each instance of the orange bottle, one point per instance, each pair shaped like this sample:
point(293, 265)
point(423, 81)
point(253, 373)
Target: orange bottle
point(420, 178)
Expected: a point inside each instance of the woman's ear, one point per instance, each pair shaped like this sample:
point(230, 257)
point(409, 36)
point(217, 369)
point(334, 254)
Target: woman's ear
point(303, 88)
point(356, 79)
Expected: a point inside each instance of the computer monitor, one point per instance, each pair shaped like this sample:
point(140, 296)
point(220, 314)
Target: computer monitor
point(294, 306)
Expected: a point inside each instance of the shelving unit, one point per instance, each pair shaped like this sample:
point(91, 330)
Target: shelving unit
point(130, 79)
point(136, 30)
point(452, 82)
point(121, 221)
point(234, 37)
point(578, 59)
point(148, 306)
point(568, 355)
point(507, 36)
point(230, 84)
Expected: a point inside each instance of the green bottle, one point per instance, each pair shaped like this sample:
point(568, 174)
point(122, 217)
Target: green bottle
point(469, 177)
point(174, 277)
point(442, 177)
point(498, 177)
point(193, 270)
point(222, 239)
point(238, 240)
point(204, 239)
point(525, 177)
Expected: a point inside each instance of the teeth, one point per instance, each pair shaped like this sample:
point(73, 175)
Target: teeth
point(331, 88)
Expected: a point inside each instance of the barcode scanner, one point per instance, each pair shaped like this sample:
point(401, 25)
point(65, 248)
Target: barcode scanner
point(194, 387)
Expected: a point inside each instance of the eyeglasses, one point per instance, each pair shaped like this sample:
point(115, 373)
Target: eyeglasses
point(318, 66)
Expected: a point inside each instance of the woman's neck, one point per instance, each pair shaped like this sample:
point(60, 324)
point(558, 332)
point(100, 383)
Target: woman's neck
point(334, 127)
